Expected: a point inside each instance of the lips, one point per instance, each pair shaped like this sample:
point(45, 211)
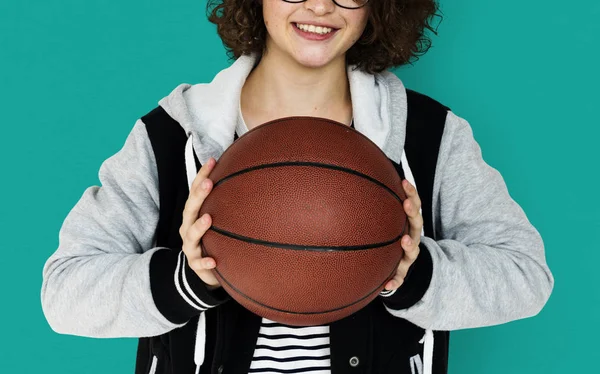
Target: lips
point(314, 31)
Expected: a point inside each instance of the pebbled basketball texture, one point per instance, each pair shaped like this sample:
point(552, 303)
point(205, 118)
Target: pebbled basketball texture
point(307, 218)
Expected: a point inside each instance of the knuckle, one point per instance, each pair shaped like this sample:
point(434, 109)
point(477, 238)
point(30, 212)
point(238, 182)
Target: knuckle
point(197, 185)
point(404, 269)
point(201, 193)
point(199, 229)
point(196, 265)
point(185, 252)
point(195, 182)
point(187, 209)
point(196, 193)
point(192, 233)
point(199, 176)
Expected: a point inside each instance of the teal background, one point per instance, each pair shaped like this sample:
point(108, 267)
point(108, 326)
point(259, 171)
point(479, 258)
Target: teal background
point(74, 77)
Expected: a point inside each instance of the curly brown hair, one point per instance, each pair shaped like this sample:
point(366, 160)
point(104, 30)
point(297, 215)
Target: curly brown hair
point(395, 33)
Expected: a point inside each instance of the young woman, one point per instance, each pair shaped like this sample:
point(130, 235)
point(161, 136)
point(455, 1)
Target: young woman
point(129, 262)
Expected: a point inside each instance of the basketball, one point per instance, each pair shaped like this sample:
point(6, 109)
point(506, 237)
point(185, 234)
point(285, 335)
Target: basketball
point(307, 217)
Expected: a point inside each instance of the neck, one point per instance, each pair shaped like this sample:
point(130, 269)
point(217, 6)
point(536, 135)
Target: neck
point(279, 87)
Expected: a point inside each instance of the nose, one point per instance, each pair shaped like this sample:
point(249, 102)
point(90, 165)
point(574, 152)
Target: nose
point(320, 7)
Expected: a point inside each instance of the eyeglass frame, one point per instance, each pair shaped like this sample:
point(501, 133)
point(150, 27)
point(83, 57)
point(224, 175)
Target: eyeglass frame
point(334, 1)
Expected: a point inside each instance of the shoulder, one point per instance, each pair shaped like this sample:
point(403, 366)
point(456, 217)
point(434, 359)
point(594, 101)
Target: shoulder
point(167, 138)
point(425, 113)
point(398, 90)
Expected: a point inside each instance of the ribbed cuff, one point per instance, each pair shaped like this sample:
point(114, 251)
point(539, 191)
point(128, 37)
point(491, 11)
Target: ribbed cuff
point(179, 294)
point(415, 284)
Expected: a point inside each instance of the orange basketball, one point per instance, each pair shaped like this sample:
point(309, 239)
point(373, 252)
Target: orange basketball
point(307, 217)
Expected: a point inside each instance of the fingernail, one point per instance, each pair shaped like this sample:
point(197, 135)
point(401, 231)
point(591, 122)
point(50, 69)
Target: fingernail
point(204, 184)
point(204, 218)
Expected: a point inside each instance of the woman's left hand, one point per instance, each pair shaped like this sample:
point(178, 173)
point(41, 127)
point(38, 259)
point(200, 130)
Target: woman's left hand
point(410, 243)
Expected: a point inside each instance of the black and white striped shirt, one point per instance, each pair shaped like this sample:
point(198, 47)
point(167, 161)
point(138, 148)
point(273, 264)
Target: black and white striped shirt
point(291, 349)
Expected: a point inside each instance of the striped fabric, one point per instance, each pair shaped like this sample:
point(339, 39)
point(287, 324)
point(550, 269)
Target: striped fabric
point(290, 349)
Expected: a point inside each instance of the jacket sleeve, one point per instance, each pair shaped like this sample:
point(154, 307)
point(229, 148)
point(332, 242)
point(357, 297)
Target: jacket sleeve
point(106, 279)
point(488, 261)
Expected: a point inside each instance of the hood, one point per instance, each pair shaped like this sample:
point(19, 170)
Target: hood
point(209, 111)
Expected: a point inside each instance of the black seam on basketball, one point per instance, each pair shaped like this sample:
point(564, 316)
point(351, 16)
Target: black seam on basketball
point(313, 248)
point(313, 164)
point(216, 270)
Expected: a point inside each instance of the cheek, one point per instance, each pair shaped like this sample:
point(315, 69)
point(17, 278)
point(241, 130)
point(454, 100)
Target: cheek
point(359, 19)
point(273, 13)
point(364, 20)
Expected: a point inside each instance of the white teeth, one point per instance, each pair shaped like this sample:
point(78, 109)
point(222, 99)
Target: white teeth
point(314, 29)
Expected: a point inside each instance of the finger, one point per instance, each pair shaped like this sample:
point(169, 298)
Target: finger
point(204, 263)
point(411, 250)
point(415, 219)
point(191, 241)
point(394, 283)
point(398, 278)
point(198, 191)
point(204, 171)
point(193, 204)
point(412, 206)
point(411, 192)
point(203, 268)
point(407, 260)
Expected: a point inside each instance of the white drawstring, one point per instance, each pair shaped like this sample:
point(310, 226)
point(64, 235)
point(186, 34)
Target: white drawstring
point(427, 342)
point(200, 342)
point(408, 175)
point(191, 171)
point(190, 163)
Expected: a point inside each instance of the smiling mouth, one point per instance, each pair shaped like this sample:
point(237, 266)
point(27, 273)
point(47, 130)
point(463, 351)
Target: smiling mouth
point(319, 30)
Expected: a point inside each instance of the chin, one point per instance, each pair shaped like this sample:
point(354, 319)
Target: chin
point(314, 61)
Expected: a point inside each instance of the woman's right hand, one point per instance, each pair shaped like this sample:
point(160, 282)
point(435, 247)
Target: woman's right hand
point(193, 227)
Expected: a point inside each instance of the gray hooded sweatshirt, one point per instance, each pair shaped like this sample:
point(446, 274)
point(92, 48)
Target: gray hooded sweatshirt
point(489, 265)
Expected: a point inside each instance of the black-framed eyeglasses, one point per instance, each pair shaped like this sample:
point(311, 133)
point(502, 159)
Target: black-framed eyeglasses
point(346, 4)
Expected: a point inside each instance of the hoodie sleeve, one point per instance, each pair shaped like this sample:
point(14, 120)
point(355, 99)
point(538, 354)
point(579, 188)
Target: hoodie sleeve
point(104, 278)
point(489, 265)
